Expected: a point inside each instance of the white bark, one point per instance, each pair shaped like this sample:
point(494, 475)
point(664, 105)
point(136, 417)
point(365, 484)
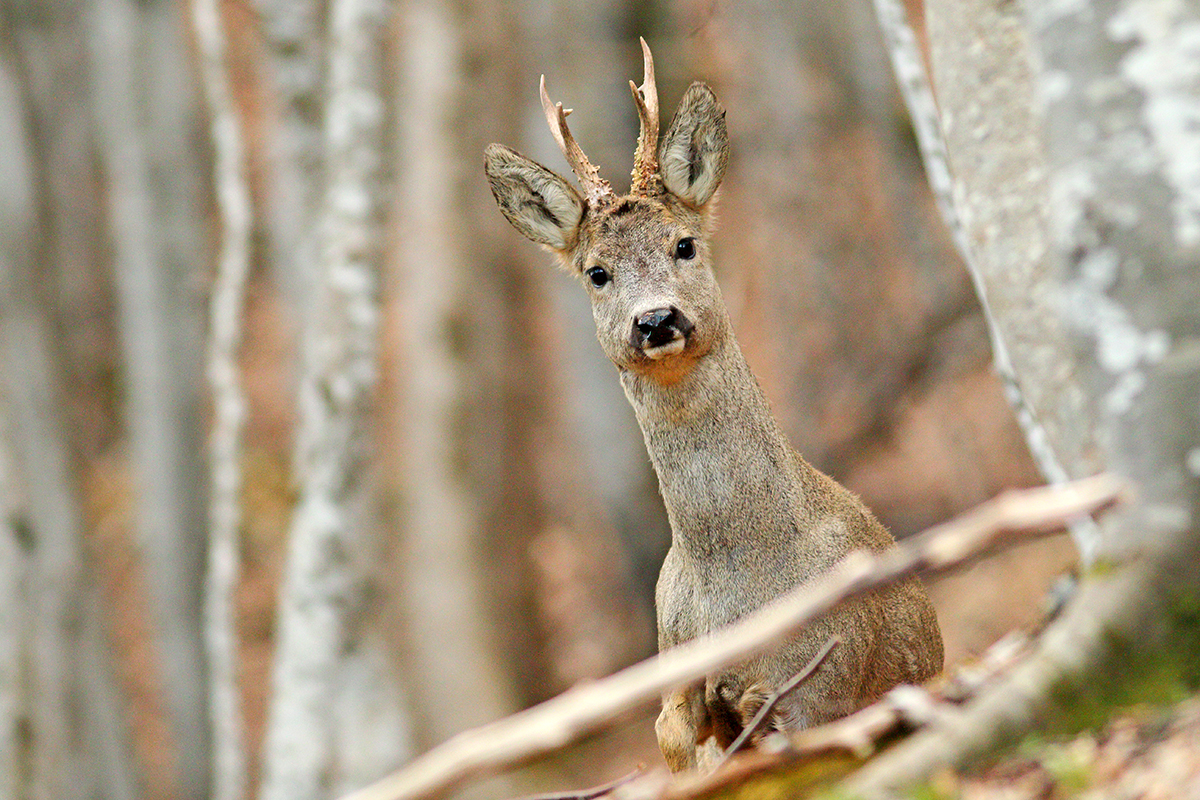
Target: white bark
point(1074, 137)
point(917, 92)
point(229, 408)
point(1007, 228)
point(145, 112)
point(1120, 85)
point(322, 593)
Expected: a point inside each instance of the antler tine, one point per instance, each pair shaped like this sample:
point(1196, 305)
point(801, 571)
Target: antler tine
point(645, 158)
point(595, 188)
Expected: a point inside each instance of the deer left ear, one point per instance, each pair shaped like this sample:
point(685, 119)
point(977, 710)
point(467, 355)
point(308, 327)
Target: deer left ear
point(537, 201)
point(695, 149)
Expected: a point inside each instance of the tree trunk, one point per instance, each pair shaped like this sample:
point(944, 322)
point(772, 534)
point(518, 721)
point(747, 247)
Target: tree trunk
point(458, 681)
point(65, 731)
point(12, 624)
point(296, 42)
point(1088, 112)
point(226, 447)
point(146, 111)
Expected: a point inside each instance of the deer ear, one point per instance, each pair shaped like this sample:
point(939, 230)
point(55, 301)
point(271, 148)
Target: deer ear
point(695, 149)
point(537, 201)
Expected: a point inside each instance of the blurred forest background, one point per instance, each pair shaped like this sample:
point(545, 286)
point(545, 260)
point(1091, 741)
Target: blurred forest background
point(418, 394)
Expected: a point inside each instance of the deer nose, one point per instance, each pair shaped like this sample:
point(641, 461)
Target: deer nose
point(660, 326)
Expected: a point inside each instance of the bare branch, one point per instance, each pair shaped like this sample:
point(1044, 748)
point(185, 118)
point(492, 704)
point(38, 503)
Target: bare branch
point(229, 407)
point(1010, 518)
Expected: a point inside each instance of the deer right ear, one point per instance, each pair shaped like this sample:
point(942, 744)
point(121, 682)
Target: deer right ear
point(537, 201)
point(695, 149)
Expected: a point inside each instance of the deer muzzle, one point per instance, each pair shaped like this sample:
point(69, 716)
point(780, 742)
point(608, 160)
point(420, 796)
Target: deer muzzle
point(660, 332)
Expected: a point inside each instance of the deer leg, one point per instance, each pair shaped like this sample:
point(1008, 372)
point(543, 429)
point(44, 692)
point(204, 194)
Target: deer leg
point(681, 727)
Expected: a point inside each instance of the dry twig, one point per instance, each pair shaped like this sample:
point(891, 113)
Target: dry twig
point(774, 699)
point(1005, 520)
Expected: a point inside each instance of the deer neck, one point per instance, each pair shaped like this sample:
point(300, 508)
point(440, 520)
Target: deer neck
point(727, 473)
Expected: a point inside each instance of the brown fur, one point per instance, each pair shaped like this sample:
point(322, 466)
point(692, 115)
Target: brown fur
point(750, 519)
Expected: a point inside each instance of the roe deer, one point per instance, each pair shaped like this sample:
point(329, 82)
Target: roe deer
point(750, 519)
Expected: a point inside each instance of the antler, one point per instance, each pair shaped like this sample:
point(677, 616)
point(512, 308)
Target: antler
point(597, 190)
point(645, 158)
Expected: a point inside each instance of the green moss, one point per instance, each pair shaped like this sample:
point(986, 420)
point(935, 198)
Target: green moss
point(1071, 774)
point(1183, 609)
point(1157, 664)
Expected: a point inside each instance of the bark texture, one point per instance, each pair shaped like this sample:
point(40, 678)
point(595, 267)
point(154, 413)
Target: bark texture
point(225, 447)
point(1106, 280)
point(295, 40)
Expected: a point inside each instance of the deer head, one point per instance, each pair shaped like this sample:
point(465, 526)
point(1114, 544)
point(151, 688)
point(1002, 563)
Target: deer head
point(644, 257)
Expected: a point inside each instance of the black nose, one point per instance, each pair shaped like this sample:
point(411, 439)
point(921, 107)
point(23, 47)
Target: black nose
point(660, 326)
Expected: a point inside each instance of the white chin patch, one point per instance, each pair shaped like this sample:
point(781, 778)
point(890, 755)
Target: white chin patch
point(663, 350)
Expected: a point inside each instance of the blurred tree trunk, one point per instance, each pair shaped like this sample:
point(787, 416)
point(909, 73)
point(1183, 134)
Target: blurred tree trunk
point(1072, 133)
point(147, 115)
point(296, 42)
point(227, 310)
point(49, 47)
point(334, 723)
point(452, 287)
point(12, 626)
point(63, 728)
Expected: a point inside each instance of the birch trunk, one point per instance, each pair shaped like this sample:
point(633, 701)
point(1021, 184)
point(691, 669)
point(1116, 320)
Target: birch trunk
point(323, 598)
point(296, 42)
point(227, 309)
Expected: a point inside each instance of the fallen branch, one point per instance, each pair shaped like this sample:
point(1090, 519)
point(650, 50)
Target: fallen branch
point(1012, 517)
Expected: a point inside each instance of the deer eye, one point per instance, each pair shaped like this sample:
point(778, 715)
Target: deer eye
point(685, 248)
point(598, 276)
